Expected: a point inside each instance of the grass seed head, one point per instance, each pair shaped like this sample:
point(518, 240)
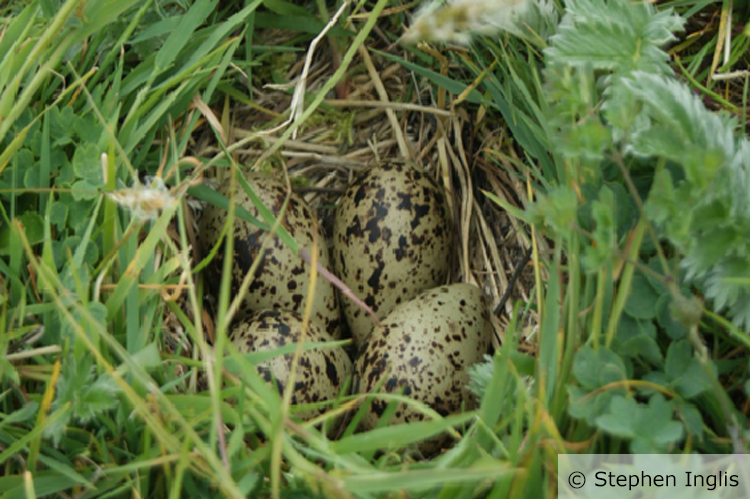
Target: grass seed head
point(459, 20)
point(145, 202)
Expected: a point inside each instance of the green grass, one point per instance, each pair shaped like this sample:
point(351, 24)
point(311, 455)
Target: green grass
point(634, 310)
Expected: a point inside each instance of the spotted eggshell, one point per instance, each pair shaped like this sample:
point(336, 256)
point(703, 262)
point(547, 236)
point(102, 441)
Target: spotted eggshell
point(391, 240)
point(321, 373)
point(282, 278)
point(424, 348)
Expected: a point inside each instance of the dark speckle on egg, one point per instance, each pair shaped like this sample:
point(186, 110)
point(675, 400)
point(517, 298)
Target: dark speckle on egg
point(412, 352)
point(282, 277)
point(270, 330)
point(391, 241)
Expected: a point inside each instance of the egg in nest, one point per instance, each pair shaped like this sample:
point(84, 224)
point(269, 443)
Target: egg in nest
point(282, 278)
point(391, 240)
point(424, 350)
point(321, 372)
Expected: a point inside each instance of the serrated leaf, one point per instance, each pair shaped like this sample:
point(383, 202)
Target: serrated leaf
point(601, 251)
point(614, 35)
point(685, 131)
point(557, 209)
point(96, 398)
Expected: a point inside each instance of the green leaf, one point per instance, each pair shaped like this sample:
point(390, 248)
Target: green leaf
point(637, 339)
point(287, 9)
point(641, 302)
point(398, 436)
point(87, 165)
point(650, 427)
point(194, 17)
point(205, 193)
point(62, 125)
point(584, 405)
point(601, 251)
point(33, 227)
point(557, 209)
point(25, 413)
point(452, 86)
point(684, 371)
point(691, 418)
point(59, 214)
point(674, 329)
point(617, 35)
point(596, 368)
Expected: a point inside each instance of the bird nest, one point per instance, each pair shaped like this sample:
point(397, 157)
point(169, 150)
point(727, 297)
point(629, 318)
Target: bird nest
point(379, 111)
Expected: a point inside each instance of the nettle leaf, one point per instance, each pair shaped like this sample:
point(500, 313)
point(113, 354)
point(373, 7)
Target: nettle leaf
point(641, 302)
point(651, 428)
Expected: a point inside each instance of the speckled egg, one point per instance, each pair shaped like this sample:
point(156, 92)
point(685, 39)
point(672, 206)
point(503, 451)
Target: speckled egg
point(424, 348)
point(321, 373)
point(282, 278)
point(391, 240)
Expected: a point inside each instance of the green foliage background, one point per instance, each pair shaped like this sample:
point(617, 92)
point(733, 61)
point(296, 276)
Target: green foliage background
point(641, 190)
